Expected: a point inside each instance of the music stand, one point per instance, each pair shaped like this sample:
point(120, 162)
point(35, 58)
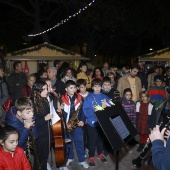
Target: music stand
point(116, 126)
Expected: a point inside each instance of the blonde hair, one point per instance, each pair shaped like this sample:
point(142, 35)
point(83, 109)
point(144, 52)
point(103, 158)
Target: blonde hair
point(147, 95)
point(30, 75)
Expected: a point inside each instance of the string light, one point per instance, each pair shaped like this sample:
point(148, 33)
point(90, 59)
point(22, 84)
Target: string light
point(63, 21)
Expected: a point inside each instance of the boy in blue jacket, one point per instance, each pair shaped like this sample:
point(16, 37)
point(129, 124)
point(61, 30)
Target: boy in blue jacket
point(95, 101)
point(21, 117)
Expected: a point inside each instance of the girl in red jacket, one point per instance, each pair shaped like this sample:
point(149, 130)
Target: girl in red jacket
point(12, 157)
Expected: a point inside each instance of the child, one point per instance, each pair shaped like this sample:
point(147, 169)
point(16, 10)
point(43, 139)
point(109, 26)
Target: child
point(129, 105)
point(158, 95)
point(94, 102)
point(72, 102)
point(12, 157)
point(81, 86)
point(109, 91)
point(20, 117)
point(43, 117)
point(146, 118)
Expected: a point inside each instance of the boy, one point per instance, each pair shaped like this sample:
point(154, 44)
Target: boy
point(109, 91)
point(95, 101)
point(157, 95)
point(81, 86)
point(72, 101)
point(20, 117)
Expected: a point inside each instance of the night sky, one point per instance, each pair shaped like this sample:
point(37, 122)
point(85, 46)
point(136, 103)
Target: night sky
point(109, 28)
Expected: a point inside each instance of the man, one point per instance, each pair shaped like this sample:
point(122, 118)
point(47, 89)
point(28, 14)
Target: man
point(130, 81)
point(16, 80)
point(105, 68)
point(57, 64)
point(59, 85)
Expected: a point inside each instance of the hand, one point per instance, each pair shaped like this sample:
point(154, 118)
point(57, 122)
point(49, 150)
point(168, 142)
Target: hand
point(60, 107)
point(80, 123)
point(156, 134)
point(167, 134)
point(48, 116)
point(29, 123)
point(68, 126)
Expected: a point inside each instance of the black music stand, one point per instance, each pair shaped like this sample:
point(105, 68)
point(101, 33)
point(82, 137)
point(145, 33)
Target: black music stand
point(116, 126)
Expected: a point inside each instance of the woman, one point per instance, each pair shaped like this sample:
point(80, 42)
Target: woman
point(27, 89)
point(3, 95)
point(68, 75)
point(98, 73)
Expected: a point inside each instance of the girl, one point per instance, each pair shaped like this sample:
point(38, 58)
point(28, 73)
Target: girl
point(129, 105)
point(146, 118)
point(98, 73)
point(43, 116)
point(68, 75)
point(12, 157)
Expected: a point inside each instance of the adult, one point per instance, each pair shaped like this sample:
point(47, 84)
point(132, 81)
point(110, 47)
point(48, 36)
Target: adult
point(114, 69)
point(82, 74)
point(105, 68)
point(16, 80)
point(130, 81)
point(68, 75)
point(57, 64)
point(97, 73)
point(125, 71)
point(58, 84)
point(3, 95)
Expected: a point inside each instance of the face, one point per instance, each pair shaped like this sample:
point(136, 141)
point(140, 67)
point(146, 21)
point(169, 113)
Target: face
point(44, 92)
point(144, 98)
point(133, 72)
point(97, 72)
point(96, 89)
point(112, 70)
point(82, 88)
point(69, 73)
point(111, 78)
point(123, 69)
point(157, 70)
point(160, 71)
point(1, 73)
point(19, 68)
point(10, 144)
point(44, 75)
point(106, 86)
point(71, 90)
point(49, 85)
point(140, 64)
point(128, 96)
point(168, 72)
point(26, 114)
point(106, 65)
point(51, 74)
point(158, 83)
point(83, 69)
point(31, 81)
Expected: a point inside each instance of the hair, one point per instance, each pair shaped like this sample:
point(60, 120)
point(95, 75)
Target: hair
point(81, 65)
point(94, 72)
point(134, 66)
point(36, 95)
point(65, 71)
point(96, 81)
point(158, 77)
point(80, 82)
point(45, 79)
point(6, 131)
point(56, 62)
point(147, 95)
point(127, 90)
point(106, 80)
point(53, 69)
point(41, 72)
point(110, 74)
point(69, 83)
point(16, 64)
point(23, 103)
point(30, 75)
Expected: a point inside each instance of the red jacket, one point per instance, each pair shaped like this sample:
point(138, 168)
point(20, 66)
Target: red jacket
point(17, 162)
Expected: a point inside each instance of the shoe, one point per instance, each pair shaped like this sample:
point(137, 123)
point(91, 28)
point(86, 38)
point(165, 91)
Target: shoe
point(63, 168)
point(85, 165)
point(91, 161)
point(102, 158)
point(69, 161)
point(141, 146)
point(106, 154)
point(48, 166)
point(85, 155)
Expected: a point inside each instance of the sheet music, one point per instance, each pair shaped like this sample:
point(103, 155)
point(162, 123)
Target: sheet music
point(55, 118)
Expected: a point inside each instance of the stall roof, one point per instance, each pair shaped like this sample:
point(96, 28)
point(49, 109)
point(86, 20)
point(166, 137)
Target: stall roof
point(44, 52)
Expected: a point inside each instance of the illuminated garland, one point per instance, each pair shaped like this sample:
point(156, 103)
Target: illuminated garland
point(63, 21)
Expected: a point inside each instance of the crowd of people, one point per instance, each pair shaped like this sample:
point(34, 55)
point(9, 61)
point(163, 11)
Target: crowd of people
point(144, 96)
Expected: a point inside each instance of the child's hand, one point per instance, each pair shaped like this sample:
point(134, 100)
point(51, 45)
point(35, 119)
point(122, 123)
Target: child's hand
point(48, 116)
point(28, 123)
point(80, 123)
point(156, 134)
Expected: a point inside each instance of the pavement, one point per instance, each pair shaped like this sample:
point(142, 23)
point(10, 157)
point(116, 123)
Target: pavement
point(126, 155)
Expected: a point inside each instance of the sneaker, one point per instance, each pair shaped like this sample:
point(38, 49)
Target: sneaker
point(69, 161)
point(85, 165)
point(91, 161)
point(102, 158)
